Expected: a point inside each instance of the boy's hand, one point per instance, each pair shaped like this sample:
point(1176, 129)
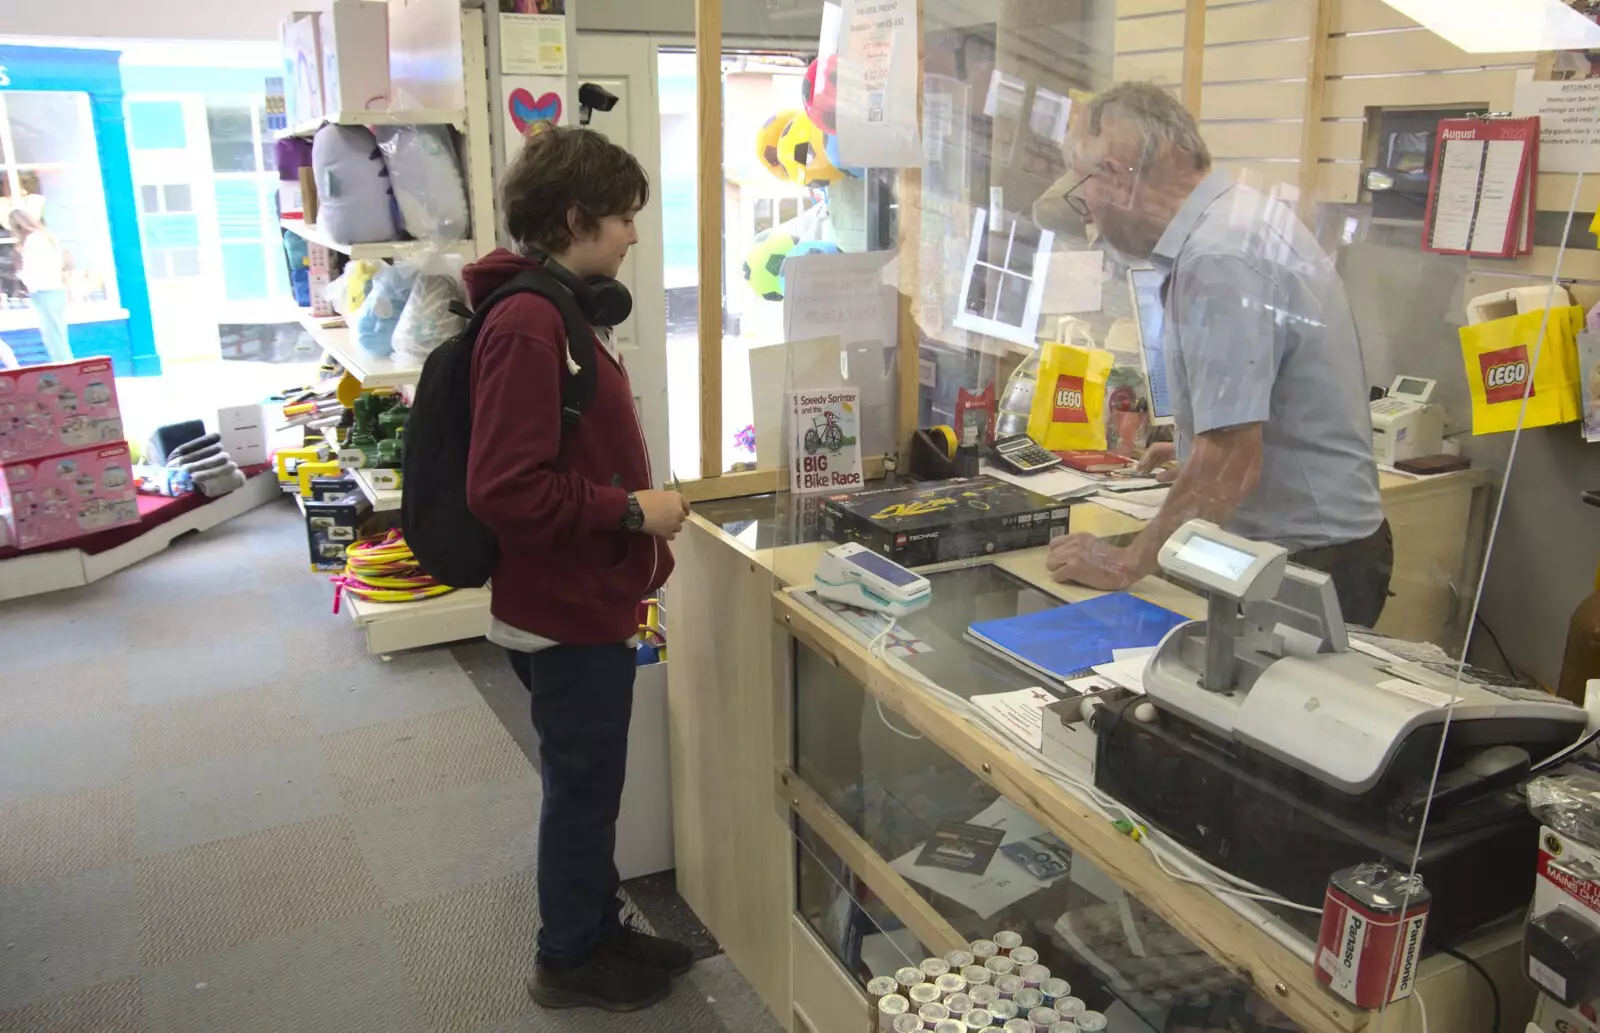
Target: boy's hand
point(664, 512)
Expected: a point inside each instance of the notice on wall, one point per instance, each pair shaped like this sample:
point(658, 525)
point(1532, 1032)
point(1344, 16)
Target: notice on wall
point(1569, 122)
point(527, 101)
point(825, 443)
point(533, 44)
point(1073, 282)
point(877, 107)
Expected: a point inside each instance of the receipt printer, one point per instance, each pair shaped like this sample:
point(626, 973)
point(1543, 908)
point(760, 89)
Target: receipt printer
point(1282, 753)
point(1405, 424)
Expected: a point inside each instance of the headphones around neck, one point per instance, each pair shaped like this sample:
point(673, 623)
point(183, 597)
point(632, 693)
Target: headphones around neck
point(603, 300)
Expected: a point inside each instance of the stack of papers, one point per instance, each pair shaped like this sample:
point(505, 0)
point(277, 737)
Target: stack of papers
point(1058, 482)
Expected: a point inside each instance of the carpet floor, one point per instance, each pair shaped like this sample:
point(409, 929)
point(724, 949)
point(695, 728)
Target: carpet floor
point(219, 814)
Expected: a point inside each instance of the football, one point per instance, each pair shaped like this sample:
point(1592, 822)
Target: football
point(767, 142)
point(763, 263)
point(808, 247)
point(794, 148)
point(830, 146)
point(822, 98)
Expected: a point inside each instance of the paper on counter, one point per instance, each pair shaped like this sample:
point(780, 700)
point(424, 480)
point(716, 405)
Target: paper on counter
point(1002, 884)
point(1137, 510)
point(1059, 483)
point(1021, 713)
point(1127, 673)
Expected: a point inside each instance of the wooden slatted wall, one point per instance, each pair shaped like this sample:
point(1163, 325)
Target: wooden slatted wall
point(1253, 99)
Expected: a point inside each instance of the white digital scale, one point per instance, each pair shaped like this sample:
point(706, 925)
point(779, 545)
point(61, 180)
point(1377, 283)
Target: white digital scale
point(856, 576)
point(1405, 423)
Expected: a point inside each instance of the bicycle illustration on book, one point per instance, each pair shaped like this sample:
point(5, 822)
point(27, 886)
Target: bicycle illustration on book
point(824, 432)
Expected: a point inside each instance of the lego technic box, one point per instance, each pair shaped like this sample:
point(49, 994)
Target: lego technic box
point(939, 521)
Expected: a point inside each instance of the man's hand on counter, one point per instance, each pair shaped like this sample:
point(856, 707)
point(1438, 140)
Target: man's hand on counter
point(1091, 561)
point(1156, 460)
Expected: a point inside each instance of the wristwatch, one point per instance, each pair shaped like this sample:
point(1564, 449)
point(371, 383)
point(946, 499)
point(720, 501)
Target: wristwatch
point(633, 520)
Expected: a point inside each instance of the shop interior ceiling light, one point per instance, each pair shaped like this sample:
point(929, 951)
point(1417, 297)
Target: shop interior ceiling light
point(1503, 26)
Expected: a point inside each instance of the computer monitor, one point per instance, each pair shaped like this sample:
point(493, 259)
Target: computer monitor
point(1145, 287)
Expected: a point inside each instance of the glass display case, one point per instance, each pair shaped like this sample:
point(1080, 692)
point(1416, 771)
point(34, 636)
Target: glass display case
point(898, 792)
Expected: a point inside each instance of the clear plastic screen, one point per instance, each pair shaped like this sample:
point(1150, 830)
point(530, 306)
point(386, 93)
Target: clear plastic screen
point(1196, 313)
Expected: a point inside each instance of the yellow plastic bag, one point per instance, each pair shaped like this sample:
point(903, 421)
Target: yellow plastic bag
point(1502, 355)
point(1069, 401)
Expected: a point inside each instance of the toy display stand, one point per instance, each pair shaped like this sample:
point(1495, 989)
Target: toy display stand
point(51, 569)
point(457, 97)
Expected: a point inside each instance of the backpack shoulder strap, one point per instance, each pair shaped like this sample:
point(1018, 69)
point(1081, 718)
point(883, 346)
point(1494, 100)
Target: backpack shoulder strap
point(577, 389)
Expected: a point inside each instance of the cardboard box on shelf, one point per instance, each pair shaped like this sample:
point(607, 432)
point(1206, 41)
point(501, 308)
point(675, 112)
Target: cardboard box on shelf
point(355, 55)
point(299, 36)
point(332, 524)
point(62, 497)
point(57, 408)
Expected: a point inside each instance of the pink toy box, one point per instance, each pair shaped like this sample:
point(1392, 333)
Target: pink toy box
point(65, 496)
point(62, 407)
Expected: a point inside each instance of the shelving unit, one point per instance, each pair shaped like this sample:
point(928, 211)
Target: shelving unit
point(386, 249)
point(423, 37)
point(384, 500)
point(400, 117)
point(373, 371)
point(451, 617)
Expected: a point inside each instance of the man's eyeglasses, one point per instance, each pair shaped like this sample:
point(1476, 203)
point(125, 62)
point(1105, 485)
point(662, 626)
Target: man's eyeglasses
point(1077, 204)
point(1079, 208)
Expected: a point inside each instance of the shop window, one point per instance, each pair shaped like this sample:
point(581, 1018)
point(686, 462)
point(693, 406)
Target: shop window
point(171, 245)
point(233, 138)
point(50, 166)
point(178, 198)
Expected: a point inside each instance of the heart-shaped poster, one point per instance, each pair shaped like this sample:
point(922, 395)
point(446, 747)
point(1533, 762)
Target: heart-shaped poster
point(526, 109)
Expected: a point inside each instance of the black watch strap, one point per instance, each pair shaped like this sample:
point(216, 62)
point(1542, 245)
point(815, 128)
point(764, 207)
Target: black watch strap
point(633, 520)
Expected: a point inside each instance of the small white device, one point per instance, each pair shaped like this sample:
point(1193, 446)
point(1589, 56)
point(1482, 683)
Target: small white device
point(1405, 424)
point(1145, 287)
point(856, 576)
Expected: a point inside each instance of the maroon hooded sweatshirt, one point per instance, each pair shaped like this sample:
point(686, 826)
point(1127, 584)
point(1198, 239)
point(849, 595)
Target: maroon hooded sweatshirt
point(555, 496)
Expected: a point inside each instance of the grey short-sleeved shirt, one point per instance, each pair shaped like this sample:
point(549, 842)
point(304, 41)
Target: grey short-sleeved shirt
point(1258, 330)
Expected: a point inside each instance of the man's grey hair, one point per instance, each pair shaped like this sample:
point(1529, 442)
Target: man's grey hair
point(1165, 124)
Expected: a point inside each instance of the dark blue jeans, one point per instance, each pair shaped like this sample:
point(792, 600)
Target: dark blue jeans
point(582, 704)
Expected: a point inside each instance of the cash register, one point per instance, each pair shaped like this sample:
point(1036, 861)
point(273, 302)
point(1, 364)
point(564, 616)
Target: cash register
point(1405, 421)
point(1276, 748)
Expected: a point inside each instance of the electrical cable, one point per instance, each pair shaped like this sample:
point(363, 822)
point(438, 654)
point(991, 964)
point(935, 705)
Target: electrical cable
point(1511, 668)
point(1561, 756)
point(879, 647)
point(1422, 1011)
point(1494, 991)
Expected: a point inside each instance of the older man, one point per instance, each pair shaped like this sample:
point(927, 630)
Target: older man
point(1264, 368)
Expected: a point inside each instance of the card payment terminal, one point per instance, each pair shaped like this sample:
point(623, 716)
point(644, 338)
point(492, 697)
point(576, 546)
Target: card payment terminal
point(856, 576)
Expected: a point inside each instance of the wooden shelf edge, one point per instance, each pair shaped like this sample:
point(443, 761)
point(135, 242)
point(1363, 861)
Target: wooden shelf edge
point(890, 886)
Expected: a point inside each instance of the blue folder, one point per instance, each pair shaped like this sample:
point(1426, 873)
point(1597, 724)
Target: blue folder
point(1067, 640)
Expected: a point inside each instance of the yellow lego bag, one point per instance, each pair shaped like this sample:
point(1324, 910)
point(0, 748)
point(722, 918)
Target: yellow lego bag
point(1503, 356)
point(1069, 400)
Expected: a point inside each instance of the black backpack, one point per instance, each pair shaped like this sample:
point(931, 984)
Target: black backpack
point(450, 543)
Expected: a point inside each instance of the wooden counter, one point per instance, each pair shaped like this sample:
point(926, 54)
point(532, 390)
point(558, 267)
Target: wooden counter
point(734, 793)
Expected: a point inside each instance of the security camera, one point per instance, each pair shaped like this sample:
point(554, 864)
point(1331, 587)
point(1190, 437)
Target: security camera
point(593, 97)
